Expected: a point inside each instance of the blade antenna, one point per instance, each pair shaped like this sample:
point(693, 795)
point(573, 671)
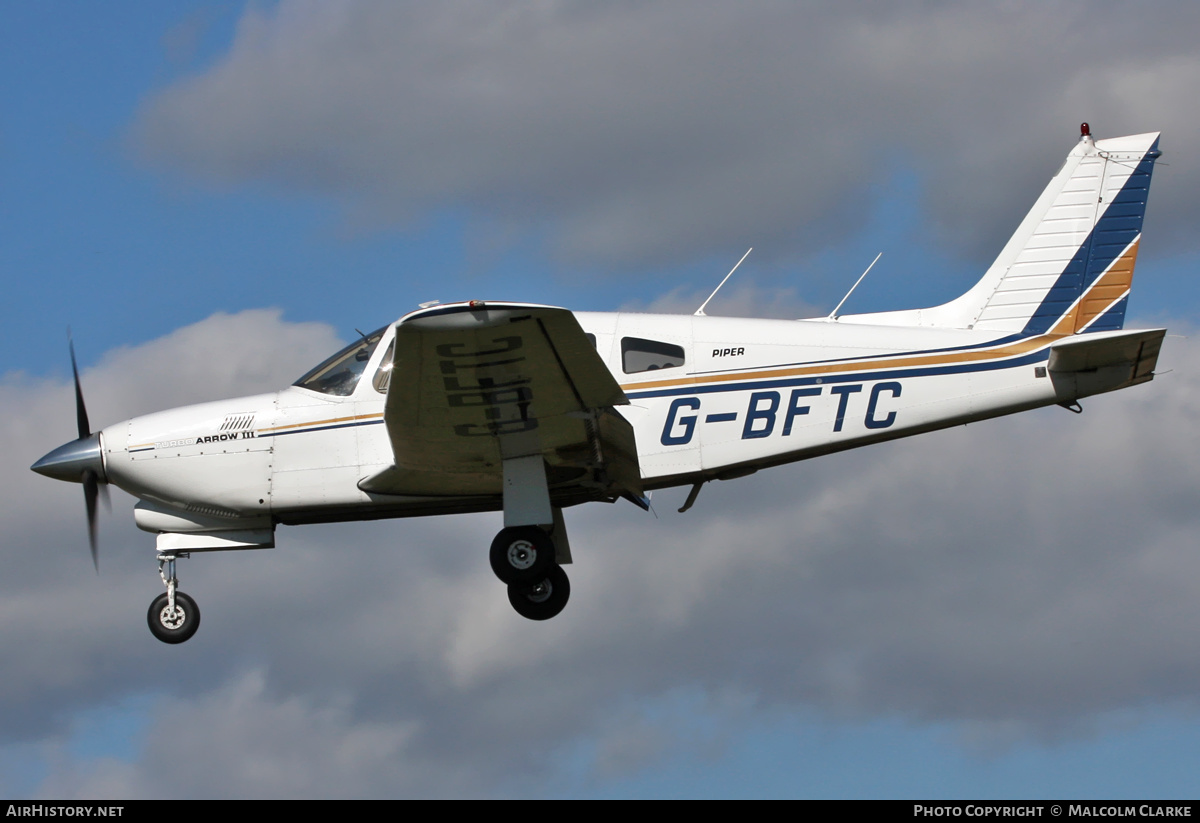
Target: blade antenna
point(700, 311)
point(833, 315)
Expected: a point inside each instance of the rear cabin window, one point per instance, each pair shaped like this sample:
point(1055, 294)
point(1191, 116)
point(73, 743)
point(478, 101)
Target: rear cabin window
point(639, 355)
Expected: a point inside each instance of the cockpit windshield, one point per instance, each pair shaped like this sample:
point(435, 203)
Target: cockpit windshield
point(339, 374)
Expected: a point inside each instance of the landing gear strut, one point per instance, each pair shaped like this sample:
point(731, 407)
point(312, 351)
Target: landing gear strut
point(526, 553)
point(173, 617)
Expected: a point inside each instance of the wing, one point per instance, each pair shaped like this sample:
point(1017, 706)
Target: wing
point(474, 385)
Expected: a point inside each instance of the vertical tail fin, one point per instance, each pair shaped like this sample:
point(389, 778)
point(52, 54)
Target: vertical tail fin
point(1069, 266)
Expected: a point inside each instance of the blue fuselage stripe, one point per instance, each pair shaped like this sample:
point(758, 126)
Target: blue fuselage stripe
point(849, 377)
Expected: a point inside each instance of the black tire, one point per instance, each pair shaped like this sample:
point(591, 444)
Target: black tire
point(543, 600)
point(179, 629)
point(522, 555)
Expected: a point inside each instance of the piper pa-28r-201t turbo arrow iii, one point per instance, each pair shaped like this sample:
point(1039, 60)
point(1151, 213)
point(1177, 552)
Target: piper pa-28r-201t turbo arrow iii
point(528, 409)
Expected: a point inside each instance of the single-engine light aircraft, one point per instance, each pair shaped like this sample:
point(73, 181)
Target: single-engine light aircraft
point(530, 409)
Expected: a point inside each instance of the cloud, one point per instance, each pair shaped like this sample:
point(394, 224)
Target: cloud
point(1022, 579)
point(637, 133)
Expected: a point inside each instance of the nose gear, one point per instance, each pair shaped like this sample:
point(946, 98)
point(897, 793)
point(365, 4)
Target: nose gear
point(174, 616)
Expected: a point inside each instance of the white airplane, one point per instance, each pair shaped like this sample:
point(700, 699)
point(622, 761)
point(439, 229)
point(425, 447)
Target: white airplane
point(529, 409)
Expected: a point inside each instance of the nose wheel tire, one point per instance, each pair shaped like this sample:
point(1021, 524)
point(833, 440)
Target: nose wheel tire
point(544, 599)
point(522, 555)
point(173, 626)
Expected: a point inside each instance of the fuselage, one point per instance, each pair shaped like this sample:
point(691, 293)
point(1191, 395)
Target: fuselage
point(710, 397)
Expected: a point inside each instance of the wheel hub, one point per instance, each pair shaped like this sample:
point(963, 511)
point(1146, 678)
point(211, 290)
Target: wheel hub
point(522, 555)
point(541, 592)
point(172, 619)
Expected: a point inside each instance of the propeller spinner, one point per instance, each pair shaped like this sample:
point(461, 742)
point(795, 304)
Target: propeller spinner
point(80, 461)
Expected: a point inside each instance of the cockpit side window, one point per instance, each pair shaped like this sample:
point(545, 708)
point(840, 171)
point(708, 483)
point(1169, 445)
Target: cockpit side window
point(639, 355)
point(339, 374)
point(383, 375)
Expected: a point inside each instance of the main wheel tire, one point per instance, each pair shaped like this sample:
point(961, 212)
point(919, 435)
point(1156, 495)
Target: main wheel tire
point(522, 555)
point(543, 600)
point(177, 627)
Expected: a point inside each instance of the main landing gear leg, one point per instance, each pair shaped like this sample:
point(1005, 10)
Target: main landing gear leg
point(173, 617)
point(526, 553)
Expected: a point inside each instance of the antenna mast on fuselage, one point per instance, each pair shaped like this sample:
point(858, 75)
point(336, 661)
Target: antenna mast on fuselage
point(833, 315)
point(700, 311)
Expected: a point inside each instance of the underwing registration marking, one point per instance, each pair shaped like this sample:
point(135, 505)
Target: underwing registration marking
point(470, 381)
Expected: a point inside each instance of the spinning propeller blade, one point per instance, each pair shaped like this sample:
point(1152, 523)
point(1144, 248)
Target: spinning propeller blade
point(81, 418)
point(91, 491)
point(94, 486)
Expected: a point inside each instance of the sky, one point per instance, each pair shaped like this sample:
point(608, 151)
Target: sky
point(214, 196)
